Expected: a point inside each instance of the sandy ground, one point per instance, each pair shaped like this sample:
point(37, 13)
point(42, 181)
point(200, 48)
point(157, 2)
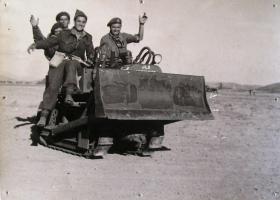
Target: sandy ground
point(234, 157)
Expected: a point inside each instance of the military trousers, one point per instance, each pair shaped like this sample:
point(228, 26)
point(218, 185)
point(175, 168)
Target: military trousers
point(64, 75)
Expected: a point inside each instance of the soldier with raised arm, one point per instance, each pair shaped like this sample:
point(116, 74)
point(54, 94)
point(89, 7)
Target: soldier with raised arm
point(63, 18)
point(114, 44)
point(72, 44)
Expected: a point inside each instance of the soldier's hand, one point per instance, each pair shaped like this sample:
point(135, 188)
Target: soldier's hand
point(143, 19)
point(33, 21)
point(31, 48)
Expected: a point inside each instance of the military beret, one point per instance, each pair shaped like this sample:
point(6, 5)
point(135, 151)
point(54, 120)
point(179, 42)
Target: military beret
point(80, 13)
point(56, 26)
point(115, 20)
point(57, 18)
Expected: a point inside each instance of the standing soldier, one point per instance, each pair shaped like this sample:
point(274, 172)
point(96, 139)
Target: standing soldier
point(114, 44)
point(74, 44)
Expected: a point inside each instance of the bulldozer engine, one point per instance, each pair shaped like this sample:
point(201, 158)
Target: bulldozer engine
point(125, 109)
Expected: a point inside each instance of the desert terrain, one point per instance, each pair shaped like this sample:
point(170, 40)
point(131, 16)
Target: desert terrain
point(234, 157)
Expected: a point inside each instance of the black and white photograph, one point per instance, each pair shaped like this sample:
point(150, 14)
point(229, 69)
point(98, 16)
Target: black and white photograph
point(139, 99)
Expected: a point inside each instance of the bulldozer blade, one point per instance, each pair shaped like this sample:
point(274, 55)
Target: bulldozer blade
point(135, 95)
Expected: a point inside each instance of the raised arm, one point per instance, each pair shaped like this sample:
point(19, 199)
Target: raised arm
point(47, 43)
point(44, 44)
point(37, 34)
point(142, 21)
point(139, 36)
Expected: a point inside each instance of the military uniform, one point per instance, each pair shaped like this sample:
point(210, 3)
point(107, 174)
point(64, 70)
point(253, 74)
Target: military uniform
point(53, 73)
point(38, 36)
point(114, 47)
point(68, 43)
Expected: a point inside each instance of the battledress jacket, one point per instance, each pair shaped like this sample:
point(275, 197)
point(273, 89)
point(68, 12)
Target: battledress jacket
point(38, 36)
point(124, 39)
point(68, 43)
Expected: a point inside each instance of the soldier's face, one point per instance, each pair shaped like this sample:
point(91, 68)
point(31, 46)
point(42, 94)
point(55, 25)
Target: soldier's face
point(80, 23)
point(57, 31)
point(64, 21)
point(115, 29)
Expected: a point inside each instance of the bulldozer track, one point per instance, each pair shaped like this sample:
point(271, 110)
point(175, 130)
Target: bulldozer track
point(45, 144)
point(87, 155)
point(141, 152)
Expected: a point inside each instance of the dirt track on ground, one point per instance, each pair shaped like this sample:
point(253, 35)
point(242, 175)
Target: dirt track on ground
point(234, 157)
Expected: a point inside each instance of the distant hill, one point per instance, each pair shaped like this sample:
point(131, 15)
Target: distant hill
point(272, 88)
point(6, 78)
point(41, 82)
point(232, 86)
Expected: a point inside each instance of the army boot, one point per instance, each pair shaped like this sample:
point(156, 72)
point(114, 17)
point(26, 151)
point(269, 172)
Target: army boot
point(43, 118)
point(68, 98)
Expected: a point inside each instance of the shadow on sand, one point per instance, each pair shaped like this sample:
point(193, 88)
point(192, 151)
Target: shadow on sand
point(122, 147)
point(26, 121)
point(34, 136)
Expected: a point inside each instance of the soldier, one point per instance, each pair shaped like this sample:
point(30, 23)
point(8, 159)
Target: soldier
point(63, 20)
point(62, 17)
point(74, 43)
point(114, 44)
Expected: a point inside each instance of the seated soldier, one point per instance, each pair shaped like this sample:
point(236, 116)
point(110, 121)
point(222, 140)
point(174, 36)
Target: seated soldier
point(113, 46)
point(72, 43)
point(63, 20)
point(54, 74)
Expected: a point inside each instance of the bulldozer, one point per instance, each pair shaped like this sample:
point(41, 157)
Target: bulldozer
point(124, 109)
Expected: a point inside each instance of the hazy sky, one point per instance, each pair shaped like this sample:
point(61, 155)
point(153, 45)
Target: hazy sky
point(224, 40)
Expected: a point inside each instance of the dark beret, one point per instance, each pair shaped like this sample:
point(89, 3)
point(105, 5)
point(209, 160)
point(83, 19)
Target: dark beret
point(115, 20)
point(57, 18)
point(55, 26)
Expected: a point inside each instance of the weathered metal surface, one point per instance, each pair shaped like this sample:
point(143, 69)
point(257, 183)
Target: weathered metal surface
point(135, 95)
point(85, 81)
